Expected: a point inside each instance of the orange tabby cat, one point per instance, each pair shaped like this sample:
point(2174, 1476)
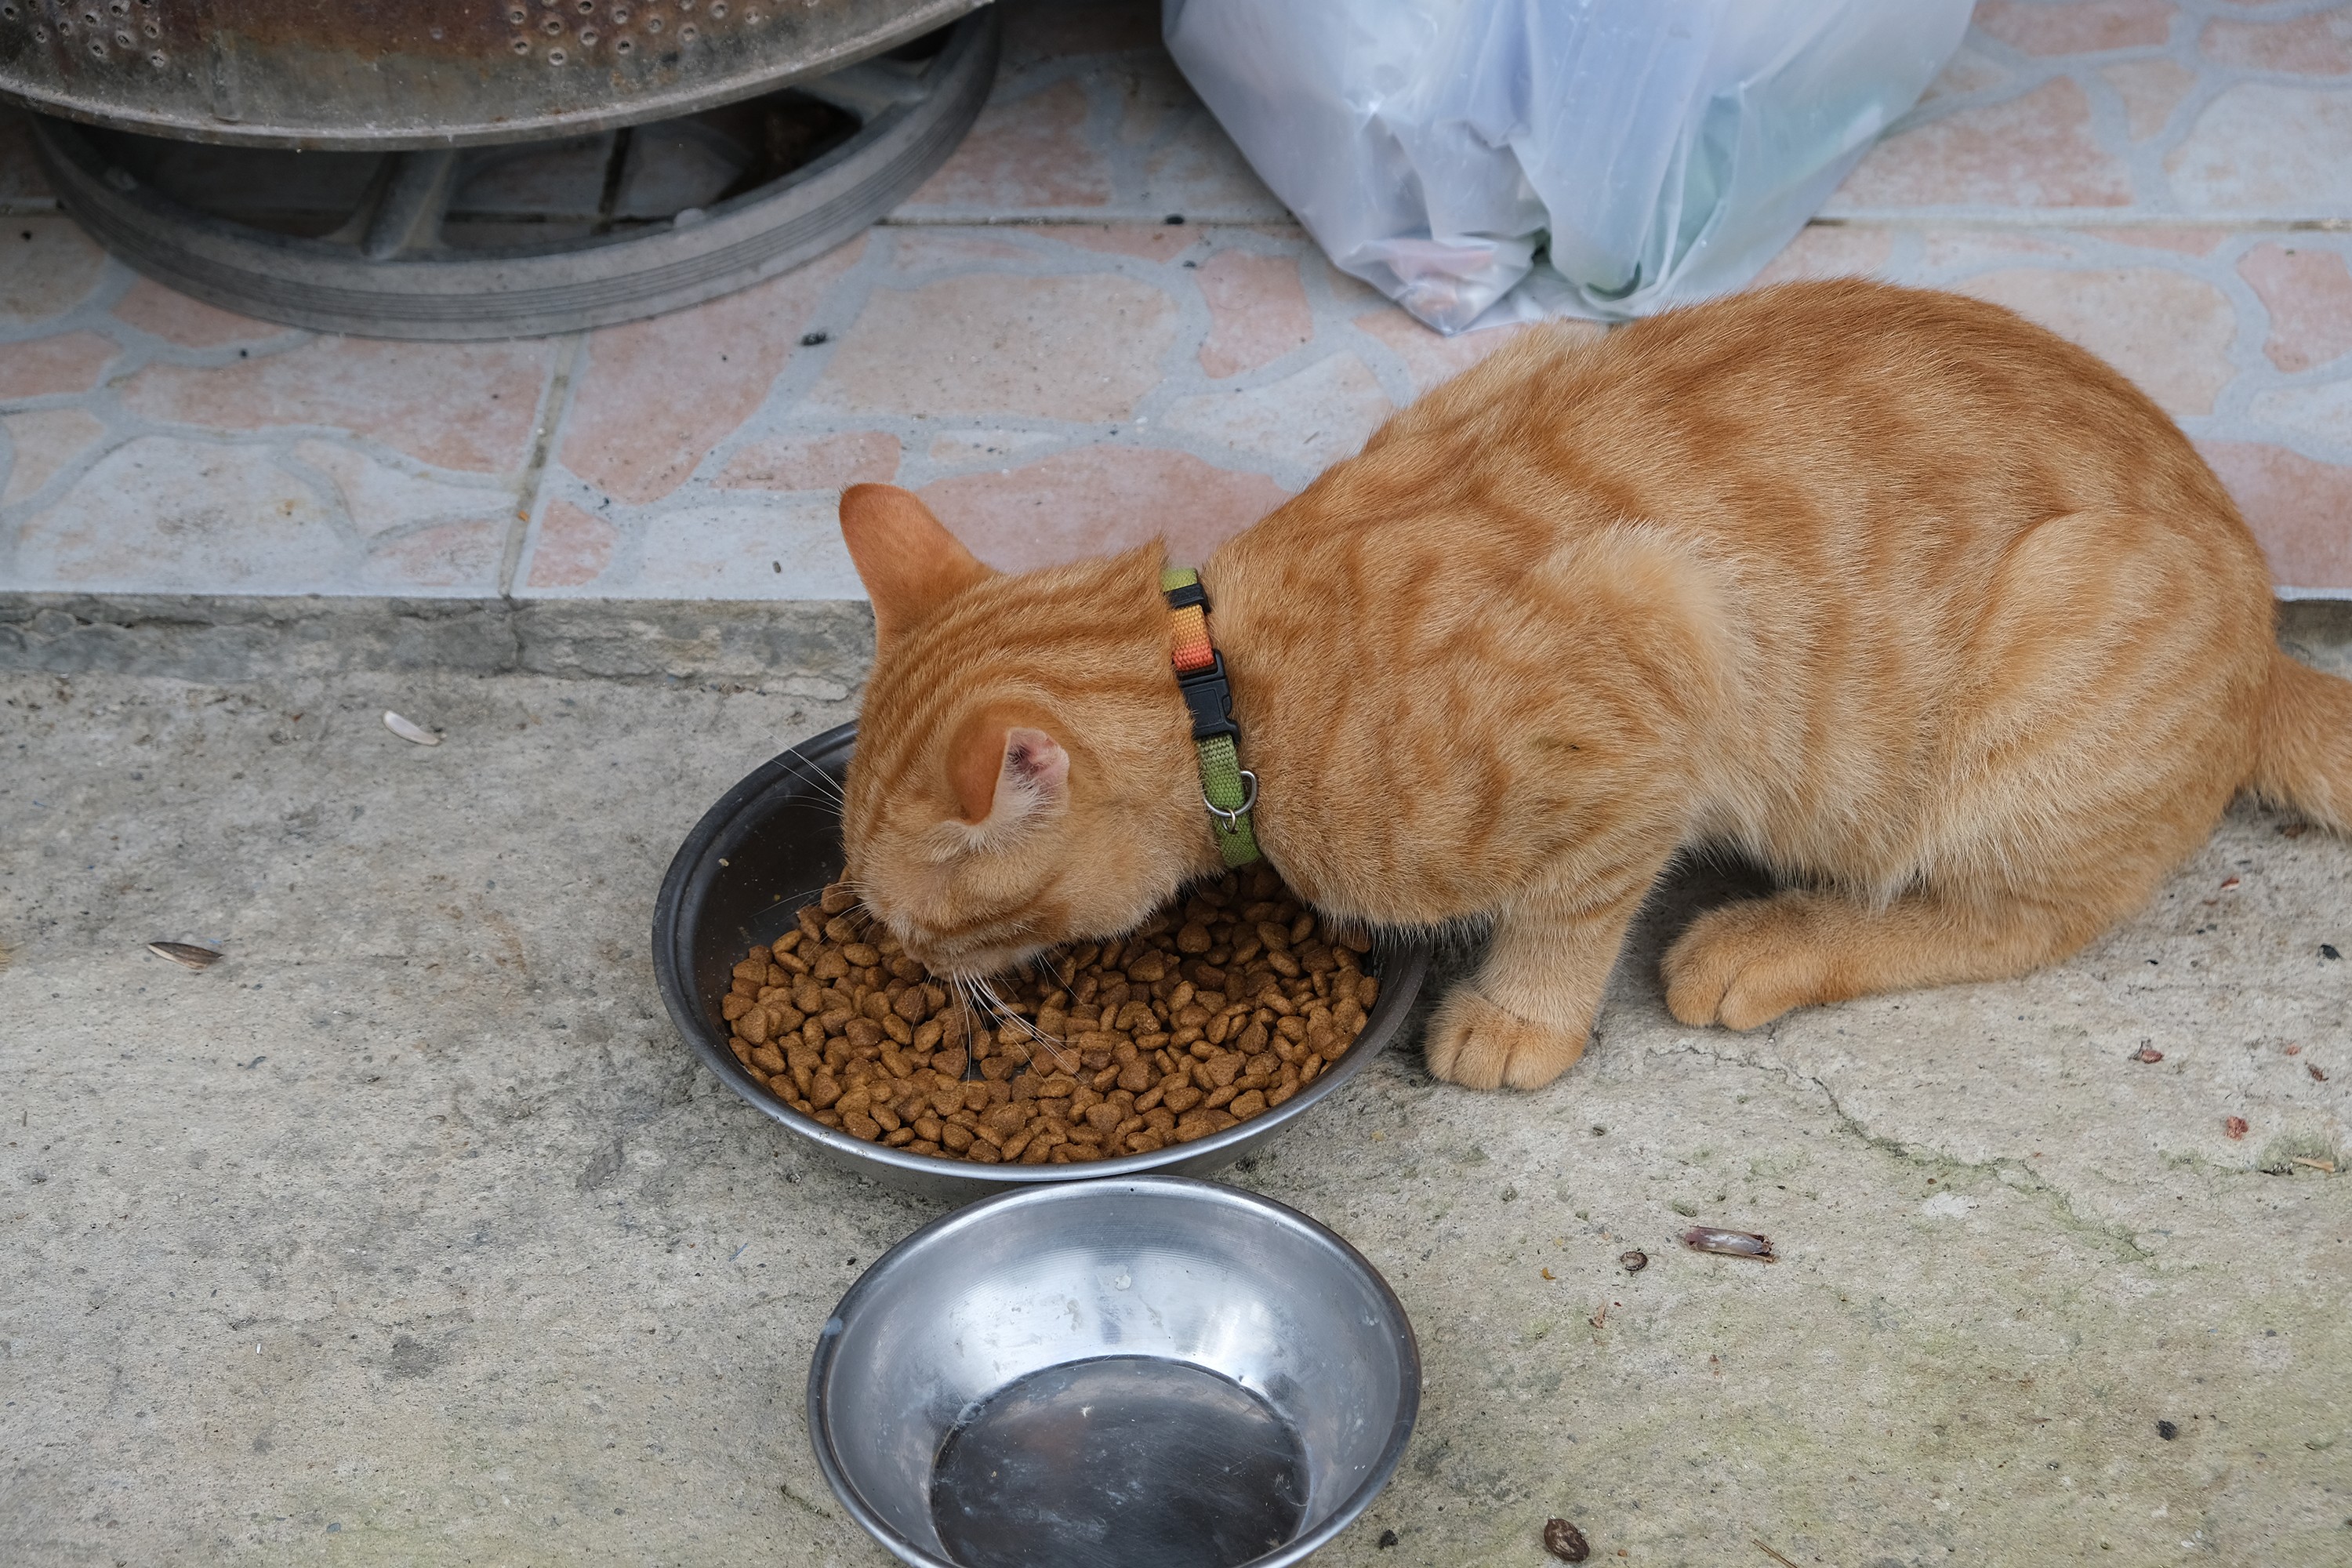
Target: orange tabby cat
point(1922, 606)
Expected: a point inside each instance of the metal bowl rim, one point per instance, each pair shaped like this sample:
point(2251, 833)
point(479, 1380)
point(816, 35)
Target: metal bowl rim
point(1404, 964)
point(876, 1280)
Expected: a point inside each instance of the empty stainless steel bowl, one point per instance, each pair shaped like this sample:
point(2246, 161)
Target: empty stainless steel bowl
point(1153, 1374)
point(770, 846)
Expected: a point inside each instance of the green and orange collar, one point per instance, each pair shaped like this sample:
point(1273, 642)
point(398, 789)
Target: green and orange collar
point(1227, 789)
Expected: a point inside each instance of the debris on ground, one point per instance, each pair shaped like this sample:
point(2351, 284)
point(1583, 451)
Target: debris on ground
point(1729, 1243)
point(2167, 1430)
point(1633, 1262)
point(1772, 1554)
point(2326, 1165)
point(2234, 1126)
point(2148, 1054)
point(2327, 950)
point(1387, 1539)
point(409, 730)
point(1565, 1542)
point(186, 954)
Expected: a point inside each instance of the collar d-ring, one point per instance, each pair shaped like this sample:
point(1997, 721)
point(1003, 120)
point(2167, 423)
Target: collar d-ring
point(1231, 819)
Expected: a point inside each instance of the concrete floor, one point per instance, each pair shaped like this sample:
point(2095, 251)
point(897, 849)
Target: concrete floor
point(412, 1232)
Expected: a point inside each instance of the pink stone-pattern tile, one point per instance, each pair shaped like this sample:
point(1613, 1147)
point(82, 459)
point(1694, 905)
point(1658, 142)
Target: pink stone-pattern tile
point(468, 406)
point(1150, 242)
point(40, 444)
point(2150, 90)
point(2265, 150)
point(572, 548)
point(1089, 119)
point(163, 513)
point(1257, 310)
point(1097, 500)
point(2186, 108)
point(47, 266)
point(1031, 154)
point(1080, 348)
point(1430, 357)
point(2037, 151)
point(447, 556)
point(1828, 252)
point(2089, 26)
point(657, 396)
point(2307, 293)
point(1033, 347)
point(68, 361)
point(814, 462)
point(2168, 331)
point(2316, 45)
point(1094, 395)
point(2299, 507)
point(191, 324)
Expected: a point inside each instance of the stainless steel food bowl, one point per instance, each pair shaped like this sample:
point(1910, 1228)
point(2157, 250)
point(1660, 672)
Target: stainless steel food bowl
point(1156, 1373)
point(770, 846)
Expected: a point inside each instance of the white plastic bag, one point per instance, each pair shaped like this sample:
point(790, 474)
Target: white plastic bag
point(1489, 160)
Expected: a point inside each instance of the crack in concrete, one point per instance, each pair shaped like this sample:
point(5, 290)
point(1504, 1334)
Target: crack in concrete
point(2010, 1171)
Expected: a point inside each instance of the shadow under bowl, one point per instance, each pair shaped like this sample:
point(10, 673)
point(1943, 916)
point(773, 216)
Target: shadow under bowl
point(1157, 1372)
point(770, 845)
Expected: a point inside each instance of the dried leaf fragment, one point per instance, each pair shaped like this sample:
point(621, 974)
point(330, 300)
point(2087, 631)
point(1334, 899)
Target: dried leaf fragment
point(186, 954)
point(409, 730)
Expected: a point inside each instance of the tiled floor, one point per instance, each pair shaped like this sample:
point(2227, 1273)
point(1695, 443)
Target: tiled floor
point(1038, 345)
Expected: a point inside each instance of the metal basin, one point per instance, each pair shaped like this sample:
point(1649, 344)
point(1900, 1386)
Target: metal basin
point(769, 845)
point(1156, 1374)
point(382, 74)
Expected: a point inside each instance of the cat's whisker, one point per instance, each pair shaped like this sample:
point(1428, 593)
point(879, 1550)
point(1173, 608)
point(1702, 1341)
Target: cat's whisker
point(1023, 1025)
point(825, 782)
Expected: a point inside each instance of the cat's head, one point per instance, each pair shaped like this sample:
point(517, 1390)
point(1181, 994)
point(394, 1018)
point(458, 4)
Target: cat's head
point(1024, 772)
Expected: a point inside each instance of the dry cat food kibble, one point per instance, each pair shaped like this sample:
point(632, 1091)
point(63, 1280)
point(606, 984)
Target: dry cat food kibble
point(1211, 1011)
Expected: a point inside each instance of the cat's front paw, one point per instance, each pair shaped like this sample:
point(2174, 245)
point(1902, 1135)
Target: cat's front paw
point(1745, 963)
point(1477, 1045)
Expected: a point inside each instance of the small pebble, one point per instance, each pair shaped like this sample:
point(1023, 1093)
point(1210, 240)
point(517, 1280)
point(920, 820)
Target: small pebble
point(2148, 1054)
point(1633, 1262)
point(1565, 1542)
point(2327, 950)
point(1387, 1539)
point(2167, 1430)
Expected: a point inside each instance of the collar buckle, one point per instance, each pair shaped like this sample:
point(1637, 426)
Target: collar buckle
point(1211, 698)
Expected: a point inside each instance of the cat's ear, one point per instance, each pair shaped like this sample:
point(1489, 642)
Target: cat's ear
point(908, 559)
point(1002, 773)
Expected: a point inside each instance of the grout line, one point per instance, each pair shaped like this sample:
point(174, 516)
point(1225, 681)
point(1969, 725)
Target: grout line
point(1076, 220)
point(2078, 218)
point(552, 411)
